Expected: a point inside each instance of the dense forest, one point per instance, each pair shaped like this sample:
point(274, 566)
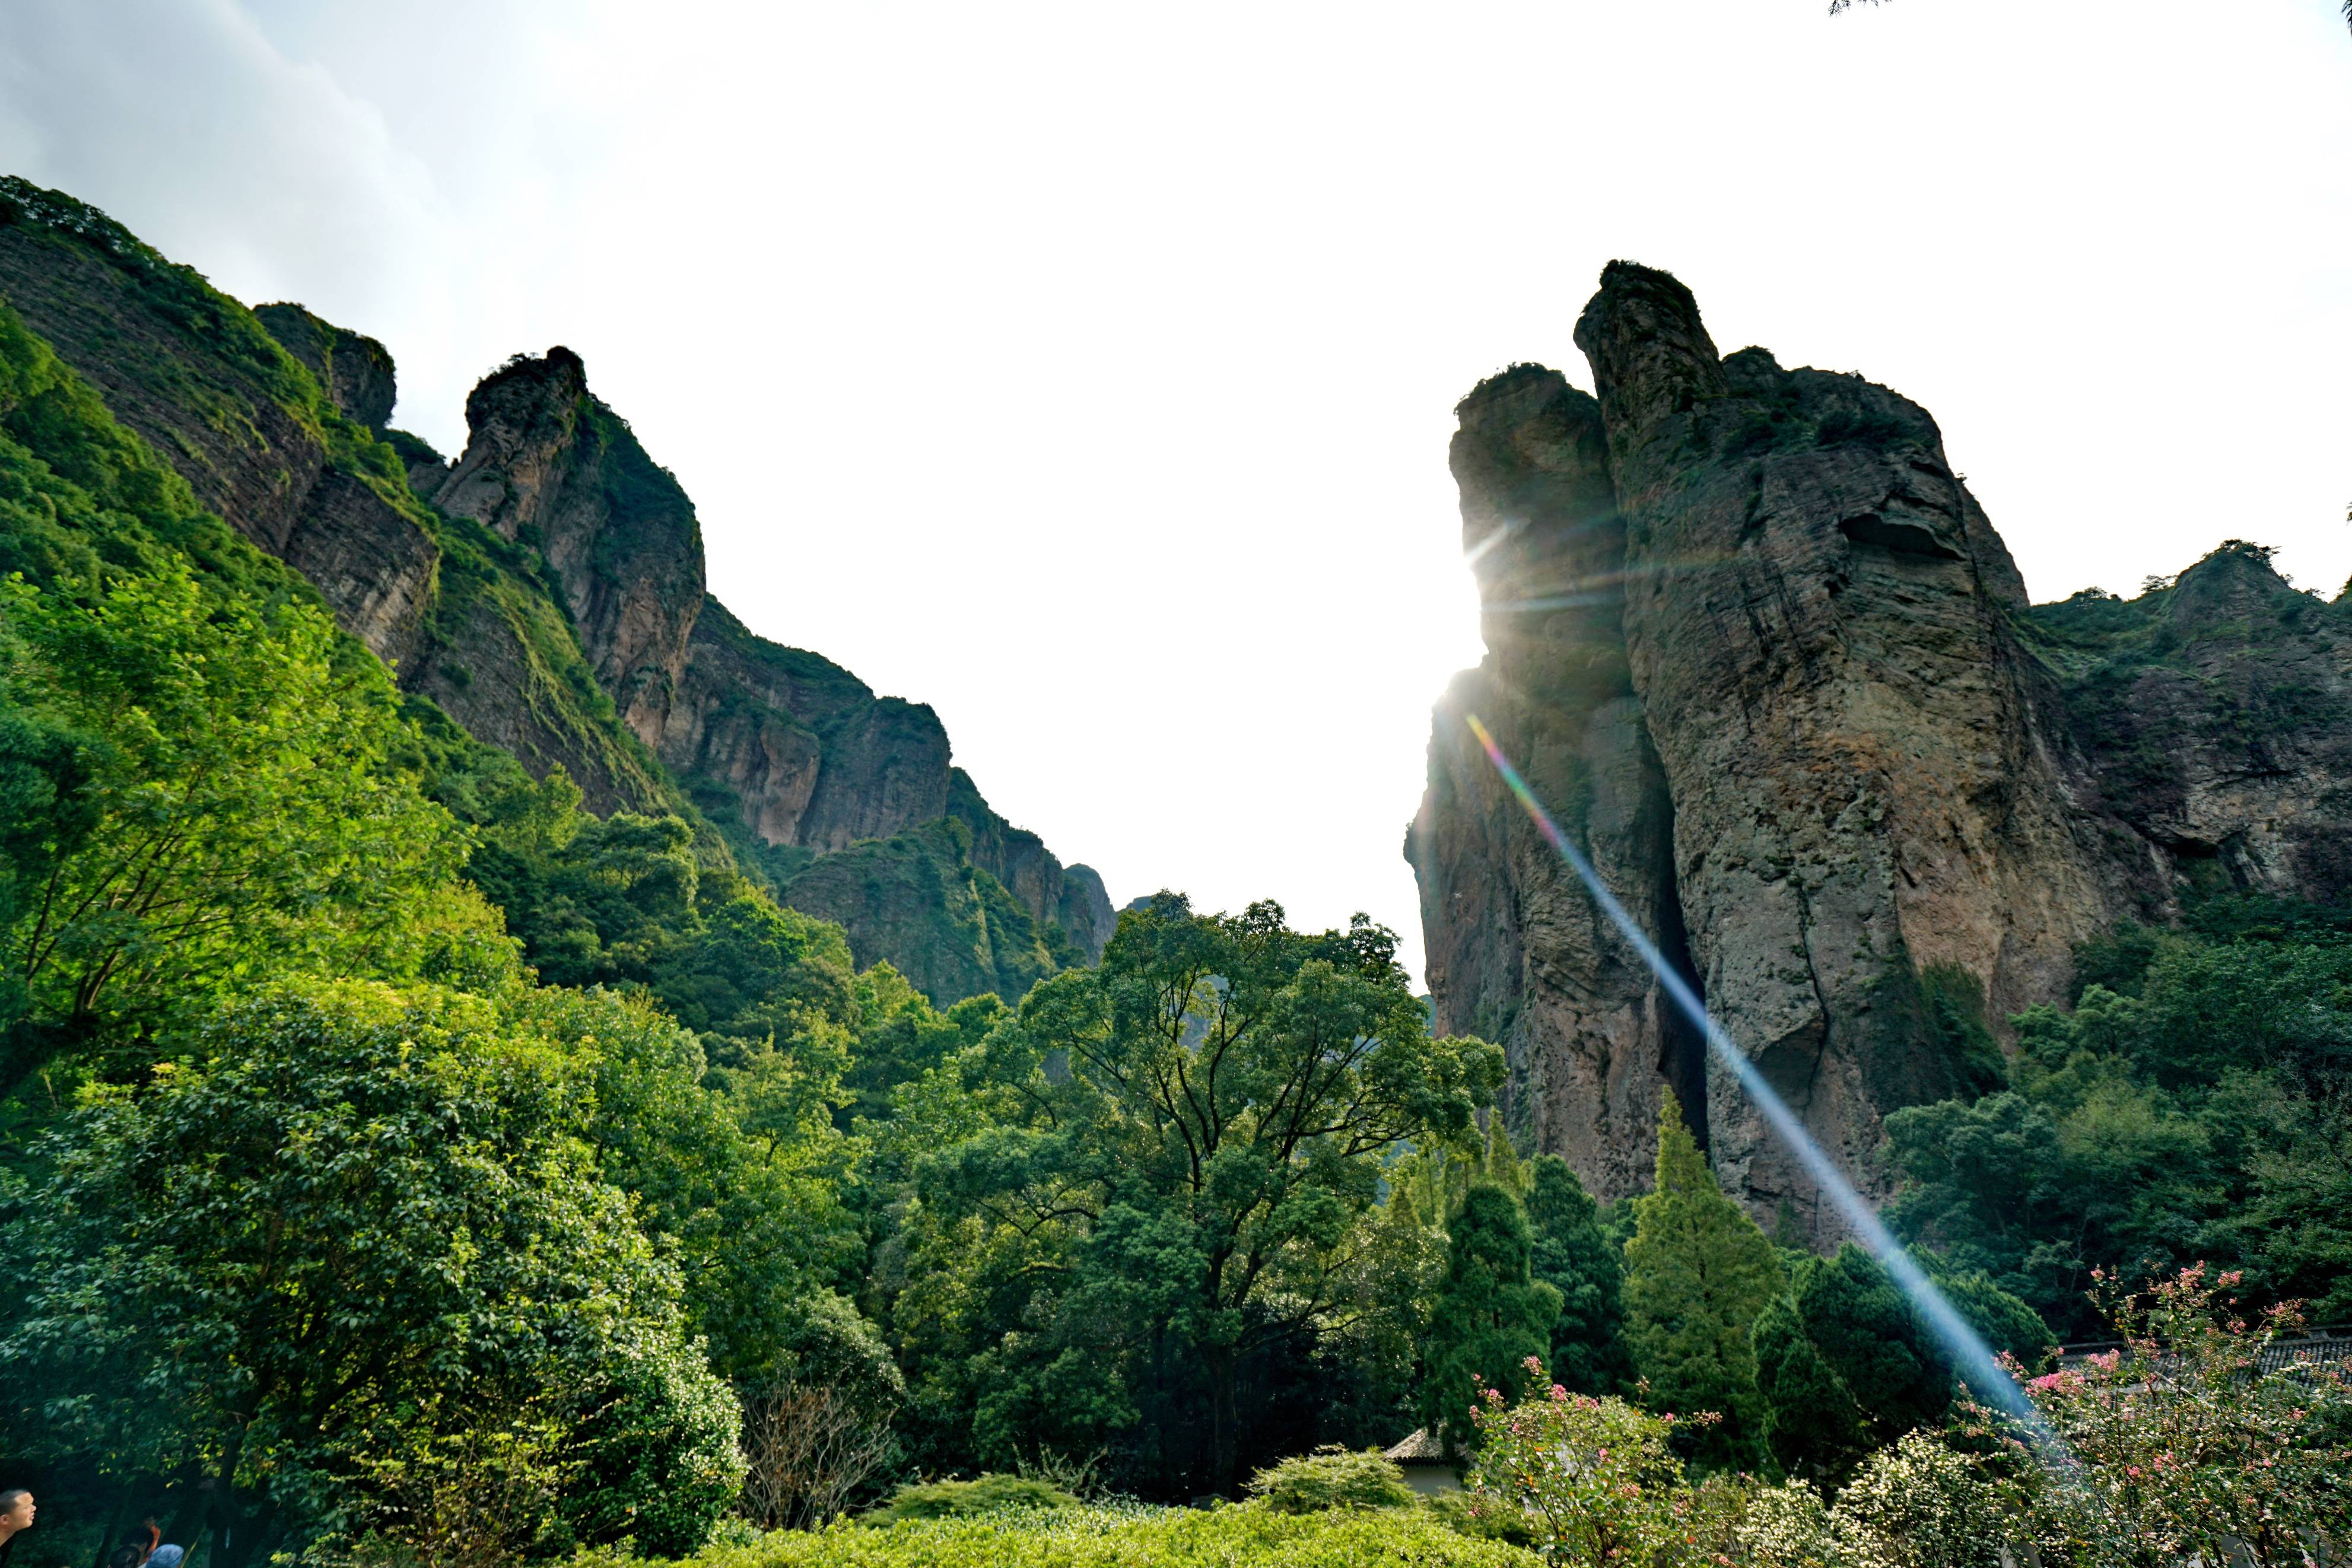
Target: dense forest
point(403, 1163)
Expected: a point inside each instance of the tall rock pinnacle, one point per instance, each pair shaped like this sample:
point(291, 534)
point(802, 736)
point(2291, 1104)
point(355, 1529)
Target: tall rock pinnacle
point(1865, 806)
point(1761, 653)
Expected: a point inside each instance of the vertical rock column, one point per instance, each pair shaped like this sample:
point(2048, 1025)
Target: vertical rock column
point(1816, 618)
point(1517, 951)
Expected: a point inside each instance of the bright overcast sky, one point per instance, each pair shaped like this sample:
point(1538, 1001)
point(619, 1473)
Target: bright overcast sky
point(1085, 371)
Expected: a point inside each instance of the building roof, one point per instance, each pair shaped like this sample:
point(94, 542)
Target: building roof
point(1422, 1449)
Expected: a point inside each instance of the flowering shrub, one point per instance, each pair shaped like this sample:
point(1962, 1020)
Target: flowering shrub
point(1593, 1477)
point(2182, 1444)
point(1921, 1505)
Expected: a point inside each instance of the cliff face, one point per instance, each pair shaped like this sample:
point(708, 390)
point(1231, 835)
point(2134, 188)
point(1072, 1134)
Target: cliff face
point(198, 378)
point(791, 754)
point(1751, 612)
point(1518, 952)
point(551, 468)
point(547, 591)
point(354, 370)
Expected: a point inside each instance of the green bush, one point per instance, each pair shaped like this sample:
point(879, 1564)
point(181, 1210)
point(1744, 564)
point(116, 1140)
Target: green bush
point(962, 1500)
point(1251, 1536)
point(1485, 1519)
point(1331, 1477)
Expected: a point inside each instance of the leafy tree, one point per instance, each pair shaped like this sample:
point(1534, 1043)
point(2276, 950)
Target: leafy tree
point(2192, 1104)
point(1491, 1319)
point(902, 1037)
point(46, 810)
point(358, 1226)
point(1699, 1273)
point(1177, 1189)
point(1576, 1256)
point(1878, 1347)
point(2185, 1444)
point(754, 1214)
point(232, 815)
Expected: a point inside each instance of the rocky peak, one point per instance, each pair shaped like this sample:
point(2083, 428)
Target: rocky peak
point(554, 566)
point(354, 369)
point(1825, 713)
point(2235, 585)
point(1651, 356)
point(548, 466)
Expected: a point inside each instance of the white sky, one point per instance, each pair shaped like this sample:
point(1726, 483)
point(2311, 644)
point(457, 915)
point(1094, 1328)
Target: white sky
point(1086, 369)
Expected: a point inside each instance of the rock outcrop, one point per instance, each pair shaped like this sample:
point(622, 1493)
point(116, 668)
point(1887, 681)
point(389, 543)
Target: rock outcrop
point(549, 467)
point(1518, 952)
point(354, 369)
point(1753, 614)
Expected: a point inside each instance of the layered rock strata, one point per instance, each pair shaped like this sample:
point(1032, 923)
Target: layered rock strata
point(1753, 614)
point(199, 381)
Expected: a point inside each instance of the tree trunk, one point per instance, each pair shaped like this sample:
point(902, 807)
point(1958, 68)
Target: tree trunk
point(1225, 1423)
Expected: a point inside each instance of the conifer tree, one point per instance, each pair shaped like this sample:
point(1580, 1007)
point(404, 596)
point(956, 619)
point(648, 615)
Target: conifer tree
point(1491, 1315)
point(1817, 1429)
point(1575, 1256)
point(1699, 1273)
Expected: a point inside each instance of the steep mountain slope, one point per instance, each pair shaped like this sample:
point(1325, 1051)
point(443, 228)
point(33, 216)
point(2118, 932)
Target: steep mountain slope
point(546, 593)
point(792, 756)
point(1753, 611)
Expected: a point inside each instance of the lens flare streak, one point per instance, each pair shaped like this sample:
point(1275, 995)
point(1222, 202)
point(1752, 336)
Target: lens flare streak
point(1968, 1349)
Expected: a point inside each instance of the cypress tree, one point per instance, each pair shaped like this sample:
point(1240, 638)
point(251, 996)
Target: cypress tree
point(1575, 1256)
point(1865, 1330)
point(1699, 1273)
point(1817, 1429)
point(1490, 1316)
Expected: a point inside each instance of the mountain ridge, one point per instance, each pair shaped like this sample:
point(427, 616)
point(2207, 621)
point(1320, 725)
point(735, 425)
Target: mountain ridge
point(546, 590)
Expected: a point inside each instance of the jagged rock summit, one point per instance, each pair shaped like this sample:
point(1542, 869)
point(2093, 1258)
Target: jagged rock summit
point(546, 591)
point(1766, 659)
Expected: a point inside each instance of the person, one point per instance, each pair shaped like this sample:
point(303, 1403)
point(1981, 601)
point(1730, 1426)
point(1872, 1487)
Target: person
point(16, 1514)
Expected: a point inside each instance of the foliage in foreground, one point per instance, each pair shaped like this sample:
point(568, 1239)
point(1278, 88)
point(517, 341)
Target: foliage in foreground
point(358, 1231)
point(2184, 1446)
point(989, 1494)
point(1330, 1477)
point(1246, 1536)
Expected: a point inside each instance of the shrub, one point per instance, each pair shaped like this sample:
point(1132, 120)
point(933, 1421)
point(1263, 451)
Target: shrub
point(2185, 1444)
point(1921, 1505)
point(1595, 1476)
point(962, 1500)
point(1485, 1519)
point(1251, 1536)
point(1332, 1477)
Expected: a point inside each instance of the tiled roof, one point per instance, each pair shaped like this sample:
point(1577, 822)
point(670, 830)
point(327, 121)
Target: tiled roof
point(1422, 1449)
